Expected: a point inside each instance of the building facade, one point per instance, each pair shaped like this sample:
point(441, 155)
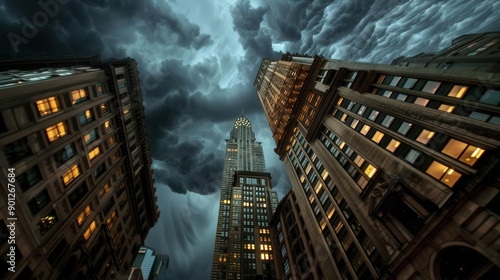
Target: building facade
point(149, 266)
point(392, 166)
point(74, 149)
point(243, 247)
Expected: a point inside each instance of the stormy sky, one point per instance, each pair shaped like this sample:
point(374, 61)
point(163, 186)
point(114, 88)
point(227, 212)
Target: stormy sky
point(198, 60)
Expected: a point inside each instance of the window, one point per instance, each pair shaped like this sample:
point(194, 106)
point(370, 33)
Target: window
point(431, 86)
point(17, 150)
point(105, 189)
point(457, 91)
point(410, 82)
point(90, 230)
point(387, 93)
point(29, 178)
point(111, 141)
point(55, 132)
point(47, 106)
point(395, 81)
point(443, 173)
point(39, 201)
point(359, 160)
point(412, 156)
point(47, 222)
point(85, 117)
point(361, 110)
point(404, 128)
point(79, 95)
point(354, 123)
point(100, 170)
point(377, 137)
point(65, 154)
point(365, 129)
point(111, 220)
point(344, 116)
point(107, 125)
point(373, 115)
point(491, 96)
point(468, 154)
point(421, 101)
point(387, 121)
point(104, 108)
point(71, 174)
point(95, 152)
point(77, 194)
point(446, 108)
point(99, 89)
point(402, 97)
point(85, 213)
point(425, 136)
point(90, 137)
point(393, 145)
point(370, 170)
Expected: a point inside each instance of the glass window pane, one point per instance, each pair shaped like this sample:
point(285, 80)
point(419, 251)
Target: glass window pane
point(365, 129)
point(454, 148)
point(436, 170)
point(393, 145)
point(387, 93)
point(402, 97)
point(404, 128)
point(479, 116)
point(451, 177)
point(412, 156)
point(425, 136)
point(421, 101)
point(373, 115)
point(387, 121)
point(471, 155)
point(431, 86)
point(457, 91)
point(395, 81)
point(410, 82)
point(446, 108)
point(377, 137)
point(491, 96)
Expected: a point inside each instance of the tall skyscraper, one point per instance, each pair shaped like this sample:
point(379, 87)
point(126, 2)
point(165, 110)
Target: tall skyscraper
point(394, 168)
point(243, 244)
point(74, 150)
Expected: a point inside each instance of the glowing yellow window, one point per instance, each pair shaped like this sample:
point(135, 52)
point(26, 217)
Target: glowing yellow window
point(344, 116)
point(104, 189)
point(365, 129)
point(47, 106)
point(56, 131)
point(95, 152)
point(446, 108)
point(340, 101)
point(370, 170)
point(354, 123)
point(454, 148)
point(342, 144)
point(318, 187)
point(393, 145)
point(111, 220)
point(107, 124)
point(377, 137)
point(457, 91)
point(443, 173)
point(71, 174)
point(425, 136)
point(90, 230)
point(111, 140)
point(330, 213)
point(421, 101)
point(78, 95)
point(471, 155)
point(359, 160)
point(86, 212)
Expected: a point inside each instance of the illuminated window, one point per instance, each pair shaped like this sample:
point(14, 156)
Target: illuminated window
point(393, 145)
point(104, 108)
point(361, 110)
point(88, 232)
point(107, 125)
point(79, 95)
point(395, 81)
point(111, 140)
point(340, 101)
point(443, 173)
point(446, 108)
point(387, 93)
point(95, 152)
point(111, 220)
point(105, 189)
point(85, 117)
point(47, 222)
point(370, 170)
point(55, 132)
point(468, 154)
point(365, 129)
point(344, 116)
point(48, 106)
point(377, 137)
point(425, 136)
point(410, 82)
point(85, 213)
point(71, 174)
point(421, 101)
point(90, 137)
point(99, 89)
point(431, 86)
point(264, 256)
point(457, 91)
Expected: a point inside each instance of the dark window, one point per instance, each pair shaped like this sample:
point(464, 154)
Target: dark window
point(29, 178)
point(17, 150)
point(100, 170)
point(108, 206)
point(47, 222)
point(77, 194)
point(39, 201)
point(65, 154)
